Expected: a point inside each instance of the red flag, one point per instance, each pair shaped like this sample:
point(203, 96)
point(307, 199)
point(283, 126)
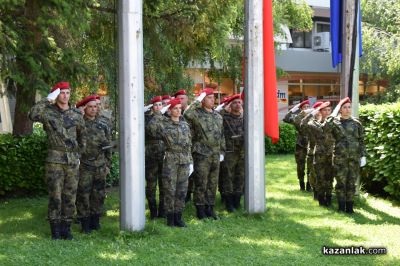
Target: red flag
point(271, 123)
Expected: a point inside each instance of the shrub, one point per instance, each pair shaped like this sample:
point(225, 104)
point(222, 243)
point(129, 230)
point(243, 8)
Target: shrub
point(113, 177)
point(286, 143)
point(382, 135)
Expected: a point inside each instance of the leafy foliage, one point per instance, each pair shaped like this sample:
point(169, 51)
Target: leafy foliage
point(286, 143)
point(382, 133)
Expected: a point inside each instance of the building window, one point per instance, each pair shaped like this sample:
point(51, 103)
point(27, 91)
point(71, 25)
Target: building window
point(323, 27)
point(301, 39)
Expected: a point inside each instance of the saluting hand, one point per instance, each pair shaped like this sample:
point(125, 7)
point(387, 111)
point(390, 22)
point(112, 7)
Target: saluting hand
point(53, 95)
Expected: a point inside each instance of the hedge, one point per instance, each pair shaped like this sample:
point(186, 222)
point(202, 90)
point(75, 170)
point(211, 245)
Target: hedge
point(382, 139)
point(286, 143)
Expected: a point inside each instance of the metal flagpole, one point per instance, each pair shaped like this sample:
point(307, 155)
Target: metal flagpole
point(254, 111)
point(131, 94)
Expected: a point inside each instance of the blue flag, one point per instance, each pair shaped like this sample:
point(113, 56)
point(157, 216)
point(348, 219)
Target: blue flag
point(336, 31)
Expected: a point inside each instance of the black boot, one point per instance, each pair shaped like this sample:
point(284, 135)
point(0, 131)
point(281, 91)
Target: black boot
point(95, 222)
point(65, 231)
point(170, 219)
point(349, 207)
point(188, 197)
point(341, 204)
point(328, 200)
point(315, 195)
point(153, 209)
point(85, 223)
point(308, 187)
point(55, 230)
point(178, 220)
point(210, 212)
point(229, 202)
point(161, 210)
point(222, 198)
point(321, 200)
point(236, 201)
point(200, 212)
point(302, 185)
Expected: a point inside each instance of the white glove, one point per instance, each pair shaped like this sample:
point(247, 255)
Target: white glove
point(295, 108)
point(191, 169)
point(201, 97)
point(363, 161)
point(315, 111)
point(165, 108)
point(52, 96)
point(335, 111)
point(309, 110)
point(221, 157)
point(147, 107)
point(220, 107)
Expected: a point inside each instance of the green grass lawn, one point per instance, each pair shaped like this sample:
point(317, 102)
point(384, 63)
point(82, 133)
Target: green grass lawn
point(291, 232)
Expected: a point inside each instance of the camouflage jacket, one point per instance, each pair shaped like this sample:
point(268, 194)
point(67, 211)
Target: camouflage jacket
point(176, 136)
point(349, 137)
point(324, 141)
point(207, 131)
point(295, 119)
point(309, 133)
point(155, 146)
point(234, 132)
point(65, 131)
point(98, 142)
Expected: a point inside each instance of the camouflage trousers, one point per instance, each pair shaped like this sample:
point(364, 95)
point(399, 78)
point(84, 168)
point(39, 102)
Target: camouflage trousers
point(222, 171)
point(191, 183)
point(62, 182)
point(233, 179)
point(300, 156)
point(175, 182)
point(324, 170)
point(346, 174)
point(311, 173)
point(154, 169)
point(91, 190)
point(206, 170)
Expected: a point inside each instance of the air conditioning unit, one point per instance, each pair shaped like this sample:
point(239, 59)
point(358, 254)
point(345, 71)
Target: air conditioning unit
point(321, 42)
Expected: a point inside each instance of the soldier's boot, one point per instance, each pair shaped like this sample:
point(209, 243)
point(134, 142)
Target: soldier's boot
point(328, 200)
point(66, 231)
point(85, 223)
point(170, 219)
point(210, 212)
point(222, 198)
point(178, 220)
point(321, 200)
point(229, 202)
point(95, 222)
point(236, 201)
point(302, 185)
point(188, 196)
point(308, 187)
point(55, 230)
point(153, 209)
point(341, 205)
point(161, 210)
point(349, 207)
point(200, 212)
point(315, 194)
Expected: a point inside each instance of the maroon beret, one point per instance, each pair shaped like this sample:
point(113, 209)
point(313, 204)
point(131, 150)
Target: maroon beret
point(304, 102)
point(180, 92)
point(156, 99)
point(208, 91)
point(166, 97)
point(60, 85)
point(234, 97)
point(85, 100)
point(174, 102)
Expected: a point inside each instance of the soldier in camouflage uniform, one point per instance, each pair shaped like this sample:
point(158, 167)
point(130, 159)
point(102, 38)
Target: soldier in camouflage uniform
point(155, 149)
point(349, 152)
point(65, 128)
point(322, 152)
point(294, 117)
point(95, 165)
point(208, 150)
point(178, 162)
point(233, 178)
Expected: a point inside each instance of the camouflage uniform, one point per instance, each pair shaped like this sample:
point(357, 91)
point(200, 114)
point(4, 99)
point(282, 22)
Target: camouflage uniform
point(323, 150)
point(175, 173)
point(208, 143)
point(311, 175)
point(349, 148)
point(301, 144)
point(95, 165)
point(154, 149)
point(233, 179)
point(66, 140)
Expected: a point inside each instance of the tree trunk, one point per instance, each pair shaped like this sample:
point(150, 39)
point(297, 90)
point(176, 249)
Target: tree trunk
point(25, 97)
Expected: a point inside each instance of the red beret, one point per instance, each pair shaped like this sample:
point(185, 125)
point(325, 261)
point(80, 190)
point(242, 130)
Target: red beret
point(317, 104)
point(208, 91)
point(234, 97)
point(166, 97)
point(174, 102)
point(156, 99)
point(304, 102)
point(225, 99)
point(60, 85)
point(85, 100)
point(345, 100)
point(180, 92)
